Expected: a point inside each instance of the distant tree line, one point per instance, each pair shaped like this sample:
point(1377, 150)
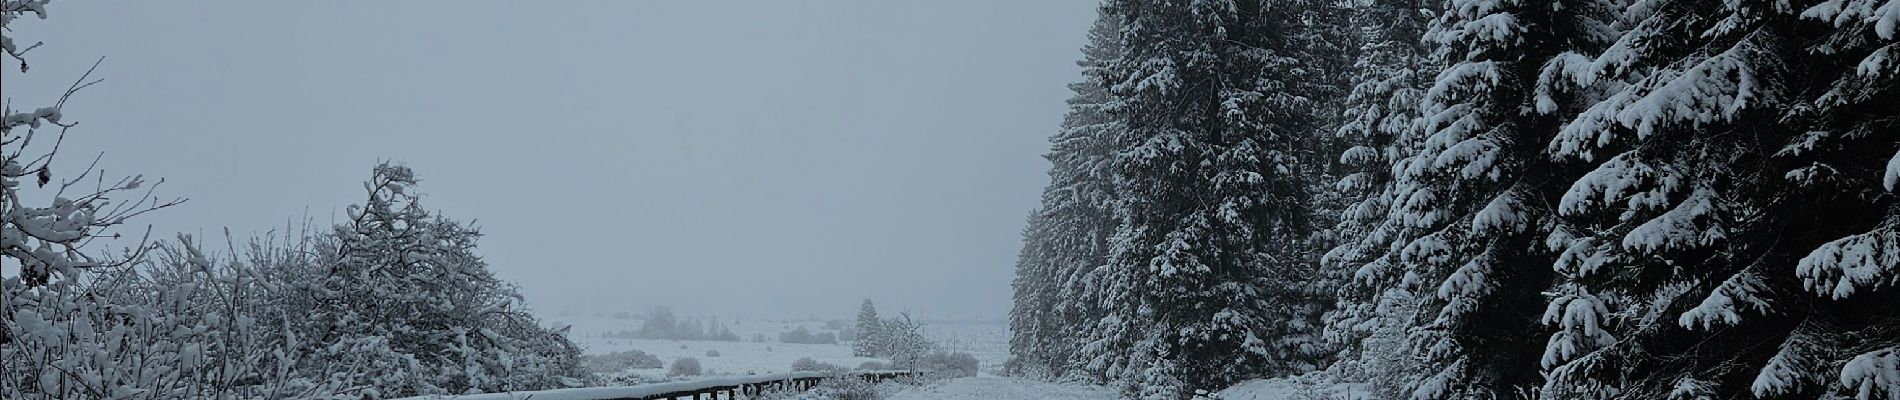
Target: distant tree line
point(805, 336)
point(660, 323)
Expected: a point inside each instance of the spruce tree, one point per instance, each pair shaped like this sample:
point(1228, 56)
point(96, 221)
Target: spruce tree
point(1473, 202)
point(1029, 308)
point(870, 331)
point(1205, 277)
point(1735, 237)
point(1390, 75)
point(1067, 236)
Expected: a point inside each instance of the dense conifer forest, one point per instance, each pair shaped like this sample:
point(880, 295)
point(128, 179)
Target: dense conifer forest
point(1475, 199)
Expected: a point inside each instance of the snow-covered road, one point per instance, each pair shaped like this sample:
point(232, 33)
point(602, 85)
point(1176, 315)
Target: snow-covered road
point(998, 388)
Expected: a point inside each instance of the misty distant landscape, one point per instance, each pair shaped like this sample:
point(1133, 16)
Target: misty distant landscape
point(950, 200)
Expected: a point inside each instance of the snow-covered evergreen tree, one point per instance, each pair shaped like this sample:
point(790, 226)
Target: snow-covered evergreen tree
point(1326, 41)
point(1208, 271)
point(1735, 237)
point(1066, 240)
point(1034, 297)
point(1390, 75)
point(1708, 181)
point(870, 331)
point(1472, 204)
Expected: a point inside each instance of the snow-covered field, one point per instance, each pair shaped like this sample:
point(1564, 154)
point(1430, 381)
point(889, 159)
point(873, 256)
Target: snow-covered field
point(986, 340)
point(735, 358)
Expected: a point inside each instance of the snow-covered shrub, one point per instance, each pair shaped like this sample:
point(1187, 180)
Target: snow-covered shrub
point(403, 295)
point(840, 386)
point(712, 353)
point(182, 325)
point(902, 340)
point(685, 366)
point(67, 331)
point(1307, 387)
point(254, 325)
point(621, 360)
point(808, 364)
point(844, 386)
point(950, 365)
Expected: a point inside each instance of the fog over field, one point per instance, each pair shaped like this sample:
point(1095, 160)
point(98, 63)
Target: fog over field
point(753, 158)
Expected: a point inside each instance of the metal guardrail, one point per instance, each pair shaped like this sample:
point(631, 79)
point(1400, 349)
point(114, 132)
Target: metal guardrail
point(729, 387)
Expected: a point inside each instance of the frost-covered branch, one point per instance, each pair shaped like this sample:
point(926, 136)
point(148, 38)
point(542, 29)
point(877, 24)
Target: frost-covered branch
point(48, 239)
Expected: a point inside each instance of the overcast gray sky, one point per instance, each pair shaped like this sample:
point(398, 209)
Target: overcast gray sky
point(759, 158)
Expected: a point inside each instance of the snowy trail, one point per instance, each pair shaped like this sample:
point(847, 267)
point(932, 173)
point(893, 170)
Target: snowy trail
point(1283, 388)
point(998, 388)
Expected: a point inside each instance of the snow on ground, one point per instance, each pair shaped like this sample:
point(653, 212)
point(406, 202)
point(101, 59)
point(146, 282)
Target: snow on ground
point(999, 388)
point(1289, 389)
point(1003, 388)
point(735, 358)
point(988, 341)
point(620, 392)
